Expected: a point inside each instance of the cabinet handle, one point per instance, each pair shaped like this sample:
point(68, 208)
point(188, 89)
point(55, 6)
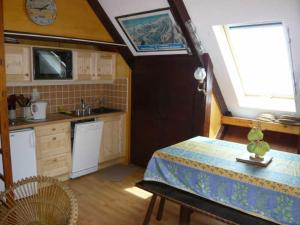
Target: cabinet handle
point(27, 75)
point(54, 138)
point(53, 129)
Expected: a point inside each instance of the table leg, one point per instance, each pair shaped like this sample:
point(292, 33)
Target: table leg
point(185, 215)
point(150, 210)
point(161, 209)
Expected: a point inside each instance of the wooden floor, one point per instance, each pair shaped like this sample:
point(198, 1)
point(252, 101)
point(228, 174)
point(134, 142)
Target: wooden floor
point(103, 202)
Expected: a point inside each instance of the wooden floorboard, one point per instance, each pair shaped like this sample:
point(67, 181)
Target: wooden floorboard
point(103, 202)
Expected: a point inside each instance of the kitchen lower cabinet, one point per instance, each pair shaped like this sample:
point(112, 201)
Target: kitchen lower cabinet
point(113, 138)
point(53, 148)
point(54, 166)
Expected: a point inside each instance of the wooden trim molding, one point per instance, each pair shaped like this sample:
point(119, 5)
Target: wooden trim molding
point(298, 145)
point(4, 111)
point(103, 17)
point(221, 132)
point(209, 85)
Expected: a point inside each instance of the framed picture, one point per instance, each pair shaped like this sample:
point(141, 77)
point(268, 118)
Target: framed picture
point(153, 31)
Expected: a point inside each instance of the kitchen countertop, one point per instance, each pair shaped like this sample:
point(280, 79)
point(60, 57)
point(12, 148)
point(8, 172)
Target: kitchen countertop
point(21, 123)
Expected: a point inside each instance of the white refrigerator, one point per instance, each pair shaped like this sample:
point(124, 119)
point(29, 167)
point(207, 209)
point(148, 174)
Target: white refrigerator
point(23, 156)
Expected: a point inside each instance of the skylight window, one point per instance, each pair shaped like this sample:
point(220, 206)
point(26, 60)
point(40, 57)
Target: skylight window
point(258, 59)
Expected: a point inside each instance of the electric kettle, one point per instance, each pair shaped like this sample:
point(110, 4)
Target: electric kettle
point(38, 110)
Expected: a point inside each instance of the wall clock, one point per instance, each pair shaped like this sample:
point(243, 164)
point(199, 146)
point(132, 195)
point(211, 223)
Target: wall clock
point(42, 12)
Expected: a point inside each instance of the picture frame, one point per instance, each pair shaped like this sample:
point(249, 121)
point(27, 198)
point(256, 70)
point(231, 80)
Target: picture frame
point(153, 31)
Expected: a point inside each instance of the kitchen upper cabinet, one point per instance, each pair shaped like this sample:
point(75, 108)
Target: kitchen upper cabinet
point(88, 66)
point(17, 63)
point(84, 65)
point(106, 65)
point(94, 65)
point(113, 138)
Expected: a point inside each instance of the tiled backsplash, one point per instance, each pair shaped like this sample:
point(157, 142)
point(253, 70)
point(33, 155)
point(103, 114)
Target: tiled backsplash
point(68, 96)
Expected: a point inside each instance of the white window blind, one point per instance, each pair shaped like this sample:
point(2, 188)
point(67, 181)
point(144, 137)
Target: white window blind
point(263, 59)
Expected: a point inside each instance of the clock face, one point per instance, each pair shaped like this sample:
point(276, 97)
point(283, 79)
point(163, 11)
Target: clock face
point(42, 12)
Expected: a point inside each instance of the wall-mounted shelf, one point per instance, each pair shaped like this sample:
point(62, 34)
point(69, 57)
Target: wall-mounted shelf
point(270, 126)
point(42, 37)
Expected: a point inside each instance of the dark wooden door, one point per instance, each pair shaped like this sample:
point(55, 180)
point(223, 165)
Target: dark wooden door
point(166, 107)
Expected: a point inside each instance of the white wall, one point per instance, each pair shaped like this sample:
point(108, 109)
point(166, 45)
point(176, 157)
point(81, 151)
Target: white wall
point(206, 13)
point(115, 8)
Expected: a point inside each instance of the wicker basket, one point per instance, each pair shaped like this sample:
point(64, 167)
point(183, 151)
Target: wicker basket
point(38, 201)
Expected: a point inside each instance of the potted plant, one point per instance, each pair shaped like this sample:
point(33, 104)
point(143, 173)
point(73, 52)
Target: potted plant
point(257, 145)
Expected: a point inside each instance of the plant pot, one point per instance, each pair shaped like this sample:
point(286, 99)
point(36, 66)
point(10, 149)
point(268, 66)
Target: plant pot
point(257, 158)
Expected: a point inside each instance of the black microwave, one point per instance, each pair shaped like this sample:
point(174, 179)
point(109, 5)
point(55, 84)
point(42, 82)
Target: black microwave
point(52, 64)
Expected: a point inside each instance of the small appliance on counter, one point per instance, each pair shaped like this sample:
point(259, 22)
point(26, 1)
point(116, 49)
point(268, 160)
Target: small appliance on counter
point(39, 110)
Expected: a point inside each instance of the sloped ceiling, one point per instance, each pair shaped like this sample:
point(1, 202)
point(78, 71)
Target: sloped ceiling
point(115, 8)
point(207, 13)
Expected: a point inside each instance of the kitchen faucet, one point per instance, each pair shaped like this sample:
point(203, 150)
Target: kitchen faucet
point(82, 105)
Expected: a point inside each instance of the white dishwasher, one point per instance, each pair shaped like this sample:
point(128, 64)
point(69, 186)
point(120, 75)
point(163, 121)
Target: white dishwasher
point(23, 157)
point(86, 147)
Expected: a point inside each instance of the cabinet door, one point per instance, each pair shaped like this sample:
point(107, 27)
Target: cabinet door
point(56, 165)
point(112, 146)
point(105, 65)
point(84, 66)
point(17, 63)
point(51, 145)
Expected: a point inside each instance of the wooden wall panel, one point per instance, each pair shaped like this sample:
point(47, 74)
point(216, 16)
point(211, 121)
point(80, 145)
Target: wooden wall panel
point(74, 19)
point(215, 118)
point(166, 106)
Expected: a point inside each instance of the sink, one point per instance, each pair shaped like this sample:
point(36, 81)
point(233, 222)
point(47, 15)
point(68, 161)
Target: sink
point(104, 110)
point(94, 111)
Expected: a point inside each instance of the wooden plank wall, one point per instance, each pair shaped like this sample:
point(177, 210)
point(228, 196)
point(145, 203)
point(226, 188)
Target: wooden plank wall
point(3, 111)
point(166, 106)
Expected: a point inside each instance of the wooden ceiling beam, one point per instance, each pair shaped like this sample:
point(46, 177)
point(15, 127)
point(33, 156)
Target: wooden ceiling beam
point(105, 20)
point(182, 16)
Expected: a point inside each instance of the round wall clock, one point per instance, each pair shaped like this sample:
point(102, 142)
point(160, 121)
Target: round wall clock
point(42, 12)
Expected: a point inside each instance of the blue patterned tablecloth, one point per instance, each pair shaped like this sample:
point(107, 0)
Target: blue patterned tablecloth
point(208, 168)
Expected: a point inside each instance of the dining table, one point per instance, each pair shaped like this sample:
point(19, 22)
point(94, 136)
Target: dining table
point(208, 168)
